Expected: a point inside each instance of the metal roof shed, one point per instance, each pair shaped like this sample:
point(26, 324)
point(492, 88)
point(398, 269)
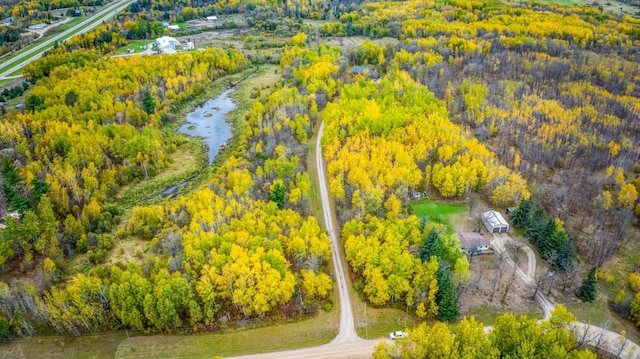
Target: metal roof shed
point(494, 222)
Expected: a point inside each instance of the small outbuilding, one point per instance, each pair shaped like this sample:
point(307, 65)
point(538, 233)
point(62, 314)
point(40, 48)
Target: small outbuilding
point(38, 26)
point(494, 222)
point(365, 71)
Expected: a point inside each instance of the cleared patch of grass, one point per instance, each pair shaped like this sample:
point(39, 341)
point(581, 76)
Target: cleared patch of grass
point(487, 314)
point(71, 23)
point(186, 162)
point(101, 346)
point(438, 212)
point(379, 322)
point(16, 73)
point(135, 46)
point(314, 23)
point(318, 330)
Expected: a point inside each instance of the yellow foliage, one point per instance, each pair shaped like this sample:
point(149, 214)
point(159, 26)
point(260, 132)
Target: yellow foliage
point(634, 281)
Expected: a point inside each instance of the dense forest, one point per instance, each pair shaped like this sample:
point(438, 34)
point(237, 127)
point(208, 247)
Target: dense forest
point(526, 105)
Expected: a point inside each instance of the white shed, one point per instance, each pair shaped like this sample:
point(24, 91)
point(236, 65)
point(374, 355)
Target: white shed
point(494, 222)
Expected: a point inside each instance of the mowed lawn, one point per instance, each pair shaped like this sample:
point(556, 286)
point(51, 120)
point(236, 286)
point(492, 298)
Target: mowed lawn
point(438, 212)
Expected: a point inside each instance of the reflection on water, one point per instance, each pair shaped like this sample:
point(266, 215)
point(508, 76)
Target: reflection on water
point(207, 121)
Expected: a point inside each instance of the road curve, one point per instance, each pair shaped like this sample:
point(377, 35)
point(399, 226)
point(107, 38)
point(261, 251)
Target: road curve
point(23, 58)
point(586, 334)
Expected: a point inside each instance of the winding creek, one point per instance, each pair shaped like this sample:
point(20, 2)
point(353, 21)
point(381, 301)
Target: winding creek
point(207, 121)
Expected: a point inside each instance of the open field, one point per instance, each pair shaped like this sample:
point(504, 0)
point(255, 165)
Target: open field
point(318, 330)
point(71, 23)
point(102, 346)
point(438, 212)
point(379, 322)
point(135, 46)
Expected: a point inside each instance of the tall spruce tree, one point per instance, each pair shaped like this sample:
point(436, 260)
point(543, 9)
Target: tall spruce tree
point(446, 297)
point(535, 226)
point(431, 246)
point(587, 291)
point(520, 216)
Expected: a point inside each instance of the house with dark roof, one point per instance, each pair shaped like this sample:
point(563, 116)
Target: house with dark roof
point(474, 243)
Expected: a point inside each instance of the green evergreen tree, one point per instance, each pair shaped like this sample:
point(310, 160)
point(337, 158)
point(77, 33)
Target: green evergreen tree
point(520, 216)
point(277, 195)
point(546, 243)
point(13, 188)
point(431, 246)
point(565, 255)
point(535, 226)
point(423, 222)
point(148, 103)
point(33, 103)
point(587, 291)
point(4, 329)
point(446, 297)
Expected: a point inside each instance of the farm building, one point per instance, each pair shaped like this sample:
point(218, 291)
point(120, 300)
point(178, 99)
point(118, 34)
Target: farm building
point(166, 45)
point(494, 222)
point(474, 242)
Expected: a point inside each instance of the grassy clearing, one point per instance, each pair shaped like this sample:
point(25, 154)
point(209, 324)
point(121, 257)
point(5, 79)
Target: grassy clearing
point(71, 23)
point(438, 212)
point(16, 73)
point(318, 330)
point(379, 322)
point(314, 23)
point(487, 314)
point(101, 346)
point(135, 46)
point(186, 161)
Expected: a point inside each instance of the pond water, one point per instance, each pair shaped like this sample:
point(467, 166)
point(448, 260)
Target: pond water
point(208, 122)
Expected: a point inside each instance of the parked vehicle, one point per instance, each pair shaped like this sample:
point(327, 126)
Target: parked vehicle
point(398, 334)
